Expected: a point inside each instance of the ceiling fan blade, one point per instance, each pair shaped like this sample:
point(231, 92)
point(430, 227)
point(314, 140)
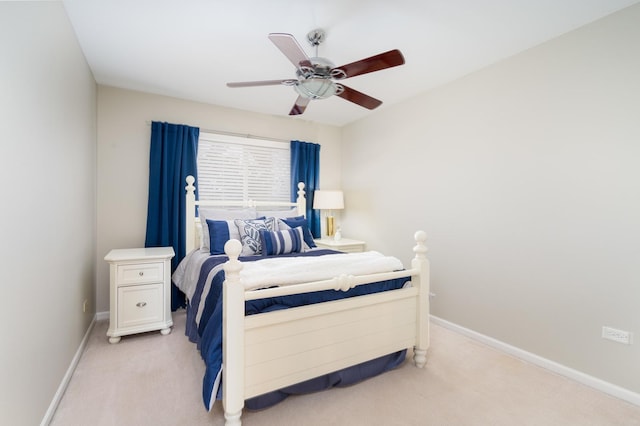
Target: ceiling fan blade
point(291, 49)
point(299, 106)
point(389, 59)
point(287, 82)
point(359, 98)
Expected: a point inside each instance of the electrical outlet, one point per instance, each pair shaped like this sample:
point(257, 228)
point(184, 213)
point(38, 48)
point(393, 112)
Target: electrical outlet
point(620, 336)
point(84, 305)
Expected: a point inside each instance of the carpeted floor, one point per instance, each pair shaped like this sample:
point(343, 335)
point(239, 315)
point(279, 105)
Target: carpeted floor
point(150, 379)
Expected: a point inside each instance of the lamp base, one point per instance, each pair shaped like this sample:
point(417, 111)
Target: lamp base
point(330, 226)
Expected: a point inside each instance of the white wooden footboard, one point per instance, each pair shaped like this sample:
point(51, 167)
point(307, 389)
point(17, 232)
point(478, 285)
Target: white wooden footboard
point(268, 351)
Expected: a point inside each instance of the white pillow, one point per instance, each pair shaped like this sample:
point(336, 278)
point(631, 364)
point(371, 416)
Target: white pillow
point(278, 214)
point(221, 214)
point(250, 233)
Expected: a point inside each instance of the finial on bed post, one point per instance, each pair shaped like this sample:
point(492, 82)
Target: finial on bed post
point(421, 263)
point(301, 200)
point(233, 335)
point(233, 248)
point(190, 210)
point(190, 188)
point(420, 248)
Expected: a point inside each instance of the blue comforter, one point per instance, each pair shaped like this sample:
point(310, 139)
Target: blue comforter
point(204, 327)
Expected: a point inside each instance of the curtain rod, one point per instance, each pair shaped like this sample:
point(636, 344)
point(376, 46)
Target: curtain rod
point(242, 135)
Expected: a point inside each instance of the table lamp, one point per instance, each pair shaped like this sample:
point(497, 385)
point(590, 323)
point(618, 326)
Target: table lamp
point(329, 201)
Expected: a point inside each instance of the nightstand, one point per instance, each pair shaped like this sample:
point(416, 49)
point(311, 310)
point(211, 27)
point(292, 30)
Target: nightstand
point(344, 244)
point(139, 291)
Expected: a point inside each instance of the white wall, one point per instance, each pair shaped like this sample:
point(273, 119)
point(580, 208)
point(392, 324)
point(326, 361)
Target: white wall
point(526, 177)
point(47, 219)
point(124, 134)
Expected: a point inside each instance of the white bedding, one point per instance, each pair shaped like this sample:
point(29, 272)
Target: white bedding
point(185, 277)
point(293, 270)
point(289, 270)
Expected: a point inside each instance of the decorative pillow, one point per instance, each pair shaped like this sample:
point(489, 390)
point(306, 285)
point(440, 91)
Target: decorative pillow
point(250, 233)
point(282, 242)
point(221, 214)
point(294, 222)
point(278, 214)
point(219, 234)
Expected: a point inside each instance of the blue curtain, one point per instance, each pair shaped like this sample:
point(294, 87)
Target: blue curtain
point(174, 149)
point(305, 167)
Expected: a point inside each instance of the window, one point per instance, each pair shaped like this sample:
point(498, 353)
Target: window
point(239, 168)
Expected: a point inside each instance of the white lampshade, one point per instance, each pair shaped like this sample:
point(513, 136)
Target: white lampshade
point(328, 200)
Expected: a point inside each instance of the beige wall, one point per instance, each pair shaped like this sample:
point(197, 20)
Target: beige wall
point(47, 184)
point(525, 176)
point(124, 134)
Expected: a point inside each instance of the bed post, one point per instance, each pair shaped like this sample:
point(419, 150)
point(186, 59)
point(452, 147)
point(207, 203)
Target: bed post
point(233, 336)
point(421, 263)
point(190, 210)
point(301, 200)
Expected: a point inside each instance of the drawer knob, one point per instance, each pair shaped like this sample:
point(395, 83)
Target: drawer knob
point(141, 273)
point(141, 304)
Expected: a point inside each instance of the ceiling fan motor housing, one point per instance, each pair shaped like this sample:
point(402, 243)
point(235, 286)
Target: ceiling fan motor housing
point(320, 68)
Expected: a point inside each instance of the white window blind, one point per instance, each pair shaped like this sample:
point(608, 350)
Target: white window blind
point(237, 168)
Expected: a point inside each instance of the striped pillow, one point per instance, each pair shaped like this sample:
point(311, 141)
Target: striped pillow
point(282, 242)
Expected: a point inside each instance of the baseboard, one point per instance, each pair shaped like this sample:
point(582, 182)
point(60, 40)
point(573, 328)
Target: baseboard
point(578, 376)
point(102, 316)
point(67, 377)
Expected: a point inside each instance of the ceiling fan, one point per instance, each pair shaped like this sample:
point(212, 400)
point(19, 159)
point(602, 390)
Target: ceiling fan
point(315, 77)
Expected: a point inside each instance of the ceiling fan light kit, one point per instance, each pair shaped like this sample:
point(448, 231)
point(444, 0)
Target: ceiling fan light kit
point(318, 88)
point(316, 75)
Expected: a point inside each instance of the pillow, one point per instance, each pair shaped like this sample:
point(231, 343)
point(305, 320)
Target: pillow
point(294, 222)
point(249, 230)
point(282, 242)
point(221, 214)
point(278, 214)
point(220, 232)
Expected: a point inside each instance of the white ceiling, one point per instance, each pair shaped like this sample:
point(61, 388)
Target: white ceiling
point(190, 49)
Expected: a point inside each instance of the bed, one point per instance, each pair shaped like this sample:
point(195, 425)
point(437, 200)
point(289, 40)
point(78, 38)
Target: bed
point(354, 322)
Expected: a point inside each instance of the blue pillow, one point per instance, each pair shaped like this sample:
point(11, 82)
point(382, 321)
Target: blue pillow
point(294, 222)
point(218, 235)
point(281, 242)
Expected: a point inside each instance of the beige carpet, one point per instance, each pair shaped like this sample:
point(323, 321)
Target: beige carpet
point(151, 379)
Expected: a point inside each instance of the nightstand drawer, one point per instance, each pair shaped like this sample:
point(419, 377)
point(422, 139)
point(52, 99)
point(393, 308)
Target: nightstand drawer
point(140, 273)
point(139, 305)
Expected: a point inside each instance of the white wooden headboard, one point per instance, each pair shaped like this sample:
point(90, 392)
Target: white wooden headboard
point(193, 222)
